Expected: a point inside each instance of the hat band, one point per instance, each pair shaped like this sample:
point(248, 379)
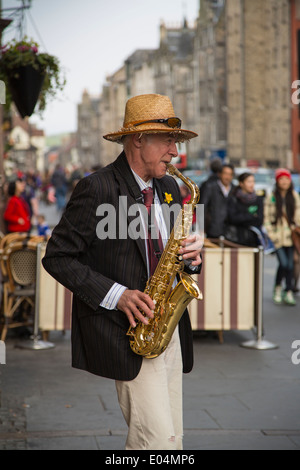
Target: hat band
point(173, 122)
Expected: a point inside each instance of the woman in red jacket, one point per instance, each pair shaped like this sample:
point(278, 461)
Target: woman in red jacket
point(17, 214)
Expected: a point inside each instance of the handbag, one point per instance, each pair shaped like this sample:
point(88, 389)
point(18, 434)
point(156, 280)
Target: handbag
point(295, 235)
point(296, 238)
point(231, 233)
point(264, 239)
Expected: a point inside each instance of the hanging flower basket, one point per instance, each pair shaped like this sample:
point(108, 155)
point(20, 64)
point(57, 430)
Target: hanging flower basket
point(31, 77)
point(25, 85)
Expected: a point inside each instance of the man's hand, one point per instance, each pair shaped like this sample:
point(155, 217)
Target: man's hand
point(191, 248)
point(131, 301)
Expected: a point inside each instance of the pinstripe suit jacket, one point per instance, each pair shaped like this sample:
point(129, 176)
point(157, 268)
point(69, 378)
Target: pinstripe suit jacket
point(89, 267)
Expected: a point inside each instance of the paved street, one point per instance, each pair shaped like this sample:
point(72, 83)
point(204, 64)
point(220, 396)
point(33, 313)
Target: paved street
point(235, 398)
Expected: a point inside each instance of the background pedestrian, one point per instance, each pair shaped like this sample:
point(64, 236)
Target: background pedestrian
point(245, 210)
point(282, 212)
point(215, 200)
point(17, 212)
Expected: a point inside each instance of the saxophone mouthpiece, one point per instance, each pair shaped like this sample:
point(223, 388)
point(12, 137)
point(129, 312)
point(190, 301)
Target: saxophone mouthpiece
point(171, 169)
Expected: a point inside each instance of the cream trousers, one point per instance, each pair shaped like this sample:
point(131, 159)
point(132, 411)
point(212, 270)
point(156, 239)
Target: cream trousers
point(152, 403)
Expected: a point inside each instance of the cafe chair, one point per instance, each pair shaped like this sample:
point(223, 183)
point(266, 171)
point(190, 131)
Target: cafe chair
point(10, 238)
point(20, 259)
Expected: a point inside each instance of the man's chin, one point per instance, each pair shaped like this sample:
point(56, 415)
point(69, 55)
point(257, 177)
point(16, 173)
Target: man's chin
point(161, 174)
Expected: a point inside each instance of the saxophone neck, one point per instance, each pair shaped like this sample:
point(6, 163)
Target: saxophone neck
point(194, 190)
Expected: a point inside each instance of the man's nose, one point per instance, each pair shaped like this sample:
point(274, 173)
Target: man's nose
point(173, 150)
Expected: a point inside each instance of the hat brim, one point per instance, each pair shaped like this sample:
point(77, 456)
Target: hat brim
point(182, 135)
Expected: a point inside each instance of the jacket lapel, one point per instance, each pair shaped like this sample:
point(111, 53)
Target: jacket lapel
point(130, 189)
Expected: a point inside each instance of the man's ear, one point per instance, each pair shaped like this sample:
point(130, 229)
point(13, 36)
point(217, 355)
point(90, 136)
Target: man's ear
point(137, 140)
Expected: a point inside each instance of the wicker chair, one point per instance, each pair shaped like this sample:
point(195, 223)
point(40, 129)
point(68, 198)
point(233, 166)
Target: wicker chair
point(20, 259)
point(5, 241)
point(8, 240)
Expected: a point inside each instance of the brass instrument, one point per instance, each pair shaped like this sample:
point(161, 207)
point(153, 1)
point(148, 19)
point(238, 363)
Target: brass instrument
point(152, 339)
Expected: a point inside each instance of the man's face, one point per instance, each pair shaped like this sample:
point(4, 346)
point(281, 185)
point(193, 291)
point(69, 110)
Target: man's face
point(226, 176)
point(156, 151)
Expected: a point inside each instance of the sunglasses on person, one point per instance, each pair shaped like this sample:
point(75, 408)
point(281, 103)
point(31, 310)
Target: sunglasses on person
point(174, 122)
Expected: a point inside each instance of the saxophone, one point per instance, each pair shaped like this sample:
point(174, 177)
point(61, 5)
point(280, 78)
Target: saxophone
point(152, 339)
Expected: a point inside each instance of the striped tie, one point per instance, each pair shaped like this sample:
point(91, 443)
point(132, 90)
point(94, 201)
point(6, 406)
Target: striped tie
point(153, 259)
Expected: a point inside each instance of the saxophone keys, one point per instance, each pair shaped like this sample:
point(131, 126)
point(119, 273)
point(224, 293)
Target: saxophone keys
point(150, 336)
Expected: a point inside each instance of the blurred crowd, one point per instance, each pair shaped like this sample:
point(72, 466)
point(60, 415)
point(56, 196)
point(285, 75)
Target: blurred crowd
point(24, 192)
point(234, 212)
point(241, 216)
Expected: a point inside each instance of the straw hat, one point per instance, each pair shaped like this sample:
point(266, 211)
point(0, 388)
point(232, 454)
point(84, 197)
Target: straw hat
point(144, 108)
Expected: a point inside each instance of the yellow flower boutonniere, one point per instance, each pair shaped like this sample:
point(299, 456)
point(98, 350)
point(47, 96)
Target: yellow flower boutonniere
point(168, 198)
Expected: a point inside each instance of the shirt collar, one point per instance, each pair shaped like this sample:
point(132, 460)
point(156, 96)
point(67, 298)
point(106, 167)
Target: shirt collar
point(224, 190)
point(142, 184)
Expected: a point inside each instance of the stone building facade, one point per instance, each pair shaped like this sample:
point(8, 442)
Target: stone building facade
point(168, 70)
point(243, 51)
point(209, 70)
point(229, 78)
point(26, 146)
point(258, 81)
point(88, 128)
point(295, 79)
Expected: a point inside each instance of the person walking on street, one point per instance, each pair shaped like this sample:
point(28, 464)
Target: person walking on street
point(215, 200)
point(43, 228)
point(245, 210)
point(108, 274)
point(60, 183)
point(215, 168)
point(282, 212)
point(17, 212)
point(296, 272)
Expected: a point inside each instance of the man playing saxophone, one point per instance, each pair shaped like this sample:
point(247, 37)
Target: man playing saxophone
point(108, 275)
